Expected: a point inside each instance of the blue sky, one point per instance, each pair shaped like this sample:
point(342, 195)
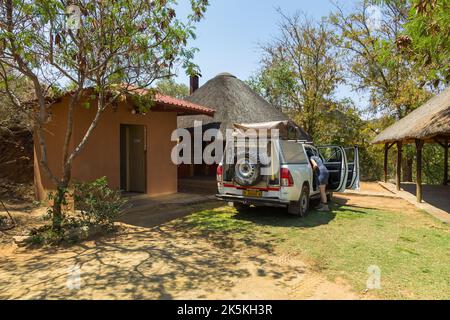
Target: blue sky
point(228, 36)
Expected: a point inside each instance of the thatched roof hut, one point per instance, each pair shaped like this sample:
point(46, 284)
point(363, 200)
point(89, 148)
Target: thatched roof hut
point(430, 123)
point(425, 123)
point(233, 101)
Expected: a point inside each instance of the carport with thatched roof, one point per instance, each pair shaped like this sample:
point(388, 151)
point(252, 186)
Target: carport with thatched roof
point(233, 102)
point(430, 123)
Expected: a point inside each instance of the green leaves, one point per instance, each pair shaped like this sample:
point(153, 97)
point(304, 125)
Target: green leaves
point(171, 88)
point(116, 40)
point(300, 71)
point(429, 34)
point(97, 203)
point(198, 9)
point(376, 62)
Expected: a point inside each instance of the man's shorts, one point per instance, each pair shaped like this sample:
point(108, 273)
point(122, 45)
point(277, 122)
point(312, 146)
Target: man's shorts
point(323, 177)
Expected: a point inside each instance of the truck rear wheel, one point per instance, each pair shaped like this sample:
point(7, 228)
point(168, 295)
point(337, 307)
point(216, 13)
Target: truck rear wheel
point(301, 207)
point(239, 206)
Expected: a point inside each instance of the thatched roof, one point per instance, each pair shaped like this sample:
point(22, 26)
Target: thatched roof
point(234, 102)
point(429, 121)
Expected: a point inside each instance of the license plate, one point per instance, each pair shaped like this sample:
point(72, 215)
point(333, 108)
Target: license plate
point(252, 193)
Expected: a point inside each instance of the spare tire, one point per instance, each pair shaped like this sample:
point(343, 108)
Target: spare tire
point(247, 171)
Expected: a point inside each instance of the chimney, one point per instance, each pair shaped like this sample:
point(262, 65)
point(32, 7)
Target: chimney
point(194, 80)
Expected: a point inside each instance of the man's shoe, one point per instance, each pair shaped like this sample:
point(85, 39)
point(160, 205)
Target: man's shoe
point(323, 208)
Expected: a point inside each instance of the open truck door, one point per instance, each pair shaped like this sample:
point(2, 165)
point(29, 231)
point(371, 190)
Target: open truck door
point(335, 159)
point(352, 155)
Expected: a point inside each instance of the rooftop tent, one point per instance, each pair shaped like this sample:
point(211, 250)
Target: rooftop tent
point(287, 130)
point(233, 101)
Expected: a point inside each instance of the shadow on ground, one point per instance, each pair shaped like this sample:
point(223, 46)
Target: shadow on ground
point(436, 195)
point(164, 213)
point(279, 217)
point(166, 262)
point(199, 256)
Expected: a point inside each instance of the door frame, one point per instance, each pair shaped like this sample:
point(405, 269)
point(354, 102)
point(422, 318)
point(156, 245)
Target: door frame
point(354, 185)
point(344, 166)
point(127, 175)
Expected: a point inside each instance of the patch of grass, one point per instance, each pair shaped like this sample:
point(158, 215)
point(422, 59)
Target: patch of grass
point(412, 250)
point(71, 233)
point(219, 220)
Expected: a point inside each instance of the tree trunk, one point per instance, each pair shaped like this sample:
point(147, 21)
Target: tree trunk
point(407, 168)
point(59, 201)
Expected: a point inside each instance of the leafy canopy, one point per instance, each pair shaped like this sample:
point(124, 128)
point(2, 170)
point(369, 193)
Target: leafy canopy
point(299, 70)
point(426, 38)
point(97, 43)
point(171, 88)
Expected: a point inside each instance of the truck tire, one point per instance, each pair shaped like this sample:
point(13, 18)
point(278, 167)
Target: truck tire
point(238, 206)
point(301, 207)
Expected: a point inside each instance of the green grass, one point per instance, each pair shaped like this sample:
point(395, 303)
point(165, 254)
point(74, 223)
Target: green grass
point(411, 249)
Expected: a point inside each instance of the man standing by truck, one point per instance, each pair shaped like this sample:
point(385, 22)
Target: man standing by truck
point(322, 176)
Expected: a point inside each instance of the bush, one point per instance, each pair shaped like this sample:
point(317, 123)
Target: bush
point(96, 208)
point(97, 203)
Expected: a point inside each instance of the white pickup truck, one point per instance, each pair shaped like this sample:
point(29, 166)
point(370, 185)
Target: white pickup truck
point(287, 178)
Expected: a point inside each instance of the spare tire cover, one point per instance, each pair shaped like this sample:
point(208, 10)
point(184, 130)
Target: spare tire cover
point(247, 170)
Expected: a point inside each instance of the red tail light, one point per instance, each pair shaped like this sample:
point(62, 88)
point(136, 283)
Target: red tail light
point(286, 178)
point(219, 173)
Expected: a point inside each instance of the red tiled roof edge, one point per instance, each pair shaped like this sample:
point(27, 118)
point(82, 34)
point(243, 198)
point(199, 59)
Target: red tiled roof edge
point(161, 98)
point(168, 100)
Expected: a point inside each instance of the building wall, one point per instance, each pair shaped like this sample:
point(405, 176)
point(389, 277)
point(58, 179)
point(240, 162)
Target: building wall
point(101, 155)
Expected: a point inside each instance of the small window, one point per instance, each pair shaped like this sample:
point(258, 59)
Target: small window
point(293, 152)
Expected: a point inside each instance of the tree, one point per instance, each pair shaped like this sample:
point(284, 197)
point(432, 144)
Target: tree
point(111, 46)
point(300, 70)
point(274, 81)
point(375, 65)
point(426, 39)
point(171, 88)
point(10, 116)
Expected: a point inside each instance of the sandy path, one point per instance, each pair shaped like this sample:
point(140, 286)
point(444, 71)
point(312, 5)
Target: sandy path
point(170, 262)
point(162, 263)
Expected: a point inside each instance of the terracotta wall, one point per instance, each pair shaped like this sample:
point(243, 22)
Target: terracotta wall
point(101, 155)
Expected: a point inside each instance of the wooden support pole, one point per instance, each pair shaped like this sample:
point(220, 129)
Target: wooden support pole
point(419, 145)
point(399, 165)
point(446, 162)
point(386, 154)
